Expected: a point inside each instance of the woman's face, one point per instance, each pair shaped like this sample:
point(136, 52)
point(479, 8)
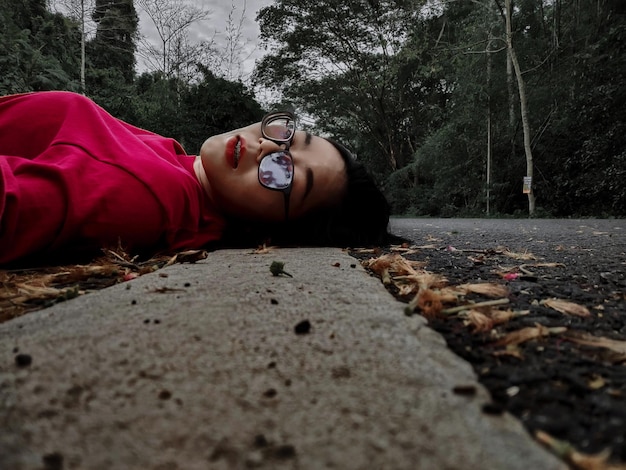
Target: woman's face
point(231, 163)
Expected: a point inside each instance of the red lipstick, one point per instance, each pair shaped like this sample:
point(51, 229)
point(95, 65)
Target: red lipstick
point(235, 150)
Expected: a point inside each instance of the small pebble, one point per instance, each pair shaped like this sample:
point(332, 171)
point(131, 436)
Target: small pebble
point(23, 360)
point(53, 461)
point(270, 393)
point(467, 390)
point(303, 327)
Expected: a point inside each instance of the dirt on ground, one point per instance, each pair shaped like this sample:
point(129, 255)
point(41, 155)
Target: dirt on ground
point(539, 314)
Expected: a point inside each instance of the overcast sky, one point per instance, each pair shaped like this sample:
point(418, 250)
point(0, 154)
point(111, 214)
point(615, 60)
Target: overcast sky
point(215, 26)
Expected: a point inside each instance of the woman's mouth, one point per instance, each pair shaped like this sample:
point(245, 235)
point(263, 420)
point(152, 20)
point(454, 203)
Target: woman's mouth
point(235, 149)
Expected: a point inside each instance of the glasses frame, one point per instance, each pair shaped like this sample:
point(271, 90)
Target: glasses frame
point(268, 118)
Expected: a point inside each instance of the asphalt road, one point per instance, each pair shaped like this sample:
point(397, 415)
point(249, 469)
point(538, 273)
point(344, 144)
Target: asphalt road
point(606, 234)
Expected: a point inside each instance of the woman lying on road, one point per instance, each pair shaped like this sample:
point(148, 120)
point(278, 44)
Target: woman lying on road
point(74, 179)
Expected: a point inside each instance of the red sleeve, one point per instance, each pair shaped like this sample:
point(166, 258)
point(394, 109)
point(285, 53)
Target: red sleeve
point(72, 177)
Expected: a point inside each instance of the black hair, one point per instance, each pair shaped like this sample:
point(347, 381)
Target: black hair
point(360, 218)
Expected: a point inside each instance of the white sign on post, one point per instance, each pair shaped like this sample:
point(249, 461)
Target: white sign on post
point(528, 181)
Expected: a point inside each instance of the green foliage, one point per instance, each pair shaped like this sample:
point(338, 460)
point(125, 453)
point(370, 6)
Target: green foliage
point(116, 34)
point(41, 51)
point(411, 90)
point(35, 49)
point(192, 112)
point(340, 62)
point(215, 106)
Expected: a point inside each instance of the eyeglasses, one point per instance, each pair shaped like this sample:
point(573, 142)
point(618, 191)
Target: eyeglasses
point(276, 168)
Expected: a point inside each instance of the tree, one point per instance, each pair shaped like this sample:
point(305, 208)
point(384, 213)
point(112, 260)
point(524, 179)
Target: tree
point(174, 56)
point(193, 112)
point(115, 41)
point(37, 48)
point(335, 60)
point(523, 100)
point(77, 10)
point(228, 59)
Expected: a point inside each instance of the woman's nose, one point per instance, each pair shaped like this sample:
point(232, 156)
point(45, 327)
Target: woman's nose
point(266, 147)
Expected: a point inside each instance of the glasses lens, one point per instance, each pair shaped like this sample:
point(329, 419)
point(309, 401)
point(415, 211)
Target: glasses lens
point(279, 128)
point(276, 170)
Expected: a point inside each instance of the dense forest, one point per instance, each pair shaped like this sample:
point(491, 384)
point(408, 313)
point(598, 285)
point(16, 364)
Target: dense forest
point(451, 104)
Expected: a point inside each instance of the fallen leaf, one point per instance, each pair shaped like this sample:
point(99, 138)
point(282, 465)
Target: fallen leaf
point(566, 307)
point(404, 248)
point(527, 334)
point(596, 382)
point(427, 301)
point(520, 256)
point(503, 316)
point(395, 263)
point(546, 265)
point(476, 305)
point(189, 256)
point(578, 460)
point(478, 320)
point(598, 342)
point(263, 250)
point(485, 288)
point(511, 350)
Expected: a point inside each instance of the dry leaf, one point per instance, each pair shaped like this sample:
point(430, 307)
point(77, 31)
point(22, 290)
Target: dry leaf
point(576, 459)
point(189, 256)
point(385, 276)
point(511, 350)
point(520, 256)
point(527, 334)
point(598, 342)
point(566, 307)
point(427, 301)
point(478, 320)
point(546, 265)
point(485, 288)
point(477, 305)
point(263, 250)
point(394, 263)
point(404, 248)
point(503, 316)
point(596, 382)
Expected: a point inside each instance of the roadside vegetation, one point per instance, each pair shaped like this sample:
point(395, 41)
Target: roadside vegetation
point(450, 104)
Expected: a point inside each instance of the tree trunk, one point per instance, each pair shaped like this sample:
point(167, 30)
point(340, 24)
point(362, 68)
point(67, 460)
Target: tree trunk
point(509, 68)
point(521, 88)
point(489, 154)
point(83, 85)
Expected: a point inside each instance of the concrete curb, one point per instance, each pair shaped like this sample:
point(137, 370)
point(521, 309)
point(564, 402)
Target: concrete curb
point(222, 365)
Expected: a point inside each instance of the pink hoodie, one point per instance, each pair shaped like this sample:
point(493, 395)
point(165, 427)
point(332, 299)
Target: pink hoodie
point(73, 177)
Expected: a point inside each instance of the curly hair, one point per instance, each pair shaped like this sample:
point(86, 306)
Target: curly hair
point(360, 218)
